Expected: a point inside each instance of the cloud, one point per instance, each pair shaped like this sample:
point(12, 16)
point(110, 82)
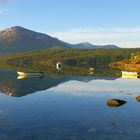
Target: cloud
point(4, 11)
point(120, 36)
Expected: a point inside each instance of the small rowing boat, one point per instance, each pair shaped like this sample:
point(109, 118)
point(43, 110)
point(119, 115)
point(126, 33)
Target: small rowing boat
point(29, 74)
point(22, 75)
point(127, 74)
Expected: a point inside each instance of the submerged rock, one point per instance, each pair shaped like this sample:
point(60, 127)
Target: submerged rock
point(138, 98)
point(115, 102)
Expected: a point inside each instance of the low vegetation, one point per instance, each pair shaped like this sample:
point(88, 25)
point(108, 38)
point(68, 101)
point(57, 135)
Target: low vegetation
point(130, 64)
point(72, 59)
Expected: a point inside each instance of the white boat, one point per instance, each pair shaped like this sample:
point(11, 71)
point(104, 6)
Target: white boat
point(21, 73)
point(28, 74)
point(127, 74)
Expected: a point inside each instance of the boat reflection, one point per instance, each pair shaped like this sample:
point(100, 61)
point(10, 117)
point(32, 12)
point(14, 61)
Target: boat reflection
point(115, 102)
point(91, 71)
point(20, 77)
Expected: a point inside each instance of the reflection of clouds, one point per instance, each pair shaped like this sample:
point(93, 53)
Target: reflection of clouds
point(4, 112)
point(119, 87)
point(1, 111)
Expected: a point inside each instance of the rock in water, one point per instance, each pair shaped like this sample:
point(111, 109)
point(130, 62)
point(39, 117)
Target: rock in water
point(115, 102)
point(138, 98)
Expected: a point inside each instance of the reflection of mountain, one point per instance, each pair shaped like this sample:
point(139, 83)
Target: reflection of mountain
point(11, 86)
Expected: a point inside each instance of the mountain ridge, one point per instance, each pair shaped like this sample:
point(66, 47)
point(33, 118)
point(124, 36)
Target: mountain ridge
point(19, 39)
point(89, 45)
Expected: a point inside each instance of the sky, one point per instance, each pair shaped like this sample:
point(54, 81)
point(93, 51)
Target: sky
point(95, 21)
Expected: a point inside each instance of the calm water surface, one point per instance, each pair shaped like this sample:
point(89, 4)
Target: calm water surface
point(68, 108)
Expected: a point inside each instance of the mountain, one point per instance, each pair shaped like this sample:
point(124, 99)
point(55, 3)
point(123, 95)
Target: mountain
point(18, 39)
point(90, 46)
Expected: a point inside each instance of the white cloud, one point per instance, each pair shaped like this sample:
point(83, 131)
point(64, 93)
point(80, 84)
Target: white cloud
point(128, 37)
point(4, 11)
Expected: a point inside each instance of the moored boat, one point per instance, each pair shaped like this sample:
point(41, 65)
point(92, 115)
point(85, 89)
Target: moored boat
point(127, 74)
point(22, 75)
point(28, 74)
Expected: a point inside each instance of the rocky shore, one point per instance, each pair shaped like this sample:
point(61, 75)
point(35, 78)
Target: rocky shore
point(125, 65)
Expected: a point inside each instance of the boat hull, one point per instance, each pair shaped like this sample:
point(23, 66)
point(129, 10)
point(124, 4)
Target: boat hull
point(28, 74)
point(126, 74)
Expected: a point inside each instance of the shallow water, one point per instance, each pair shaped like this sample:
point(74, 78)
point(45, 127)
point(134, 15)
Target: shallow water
point(68, 108)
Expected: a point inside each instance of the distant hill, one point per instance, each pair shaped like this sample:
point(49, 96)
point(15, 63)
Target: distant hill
point(90, 46)
point(18, 39)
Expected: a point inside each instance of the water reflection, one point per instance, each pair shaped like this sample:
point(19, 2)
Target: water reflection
point(13, 87)
point(69, 107)
point(28, 83)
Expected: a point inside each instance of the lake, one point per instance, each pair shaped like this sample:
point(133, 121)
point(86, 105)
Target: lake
point(69, 107)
